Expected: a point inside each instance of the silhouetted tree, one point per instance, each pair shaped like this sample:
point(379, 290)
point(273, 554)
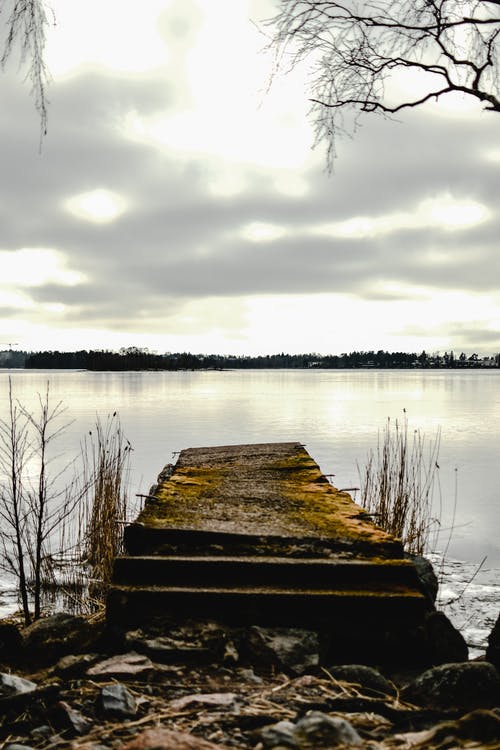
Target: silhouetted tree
point(357, 48)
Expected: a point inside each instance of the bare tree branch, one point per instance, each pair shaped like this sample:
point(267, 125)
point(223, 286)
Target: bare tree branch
point(26, 22)
point(358, 48)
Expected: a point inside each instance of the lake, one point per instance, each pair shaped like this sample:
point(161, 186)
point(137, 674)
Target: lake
point(337, 414)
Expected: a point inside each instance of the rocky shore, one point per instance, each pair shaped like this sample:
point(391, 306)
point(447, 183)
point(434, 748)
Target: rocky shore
point(67, 682)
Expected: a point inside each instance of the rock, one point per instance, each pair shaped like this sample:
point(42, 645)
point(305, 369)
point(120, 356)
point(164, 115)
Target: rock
point(367, 679)
point(426, 575)
point(73, 665)
point(249, 675)
point(317, 729)
point(168, 650)
point(220, 700)
point(292, 649)
point(116, 700)
point(42, 732)
point(281, 734)
point(10, 684)
point(71, 720)
point(122, 666)
point(445, 643)
point(493, 650)
point(314, 730)
point(463, 686)
point(16, 746)
point(187, 643)
point(49, 638)
point(168, 739)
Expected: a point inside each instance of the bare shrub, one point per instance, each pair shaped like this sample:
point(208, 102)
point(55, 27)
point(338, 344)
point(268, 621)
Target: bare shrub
point(35, 499)
point(60, 528)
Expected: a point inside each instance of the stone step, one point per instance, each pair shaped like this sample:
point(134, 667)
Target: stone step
point(209, 572)
point(267, 605)
point(141, 539)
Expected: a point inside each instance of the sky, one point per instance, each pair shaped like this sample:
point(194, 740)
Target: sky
point(177, 202)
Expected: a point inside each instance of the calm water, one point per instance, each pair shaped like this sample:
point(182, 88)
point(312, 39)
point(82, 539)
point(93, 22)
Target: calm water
point(336, 413)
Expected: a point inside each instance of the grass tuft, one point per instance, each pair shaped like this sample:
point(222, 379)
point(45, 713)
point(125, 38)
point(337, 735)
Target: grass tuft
point(398, 481)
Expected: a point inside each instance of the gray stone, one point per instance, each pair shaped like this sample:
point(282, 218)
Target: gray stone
point(291, 649)
point(116, 700)
point(367, 679)
point(123, 665)
point(219, 700)
point(281, 734)
point(71, 720)
point(17, 746)
point(493, 650)
point(11, 684)
point(314, 730)
point(463, 686)
point(317, 729)
point(42, 732)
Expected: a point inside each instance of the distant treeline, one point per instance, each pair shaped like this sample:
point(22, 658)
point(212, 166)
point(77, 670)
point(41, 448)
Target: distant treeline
point(134, 358)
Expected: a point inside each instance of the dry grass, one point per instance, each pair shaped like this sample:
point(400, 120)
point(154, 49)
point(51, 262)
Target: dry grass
point(398, 481)
point(106, 456)
point(78, 576)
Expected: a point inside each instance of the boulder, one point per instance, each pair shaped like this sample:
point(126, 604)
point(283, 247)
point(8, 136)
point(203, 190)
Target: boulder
point(464, 686)
point(445, 643)
point(426, 575)
point(49, 638)
point(493, 650)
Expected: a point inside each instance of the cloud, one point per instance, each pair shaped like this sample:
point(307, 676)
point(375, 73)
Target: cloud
point(225, 205)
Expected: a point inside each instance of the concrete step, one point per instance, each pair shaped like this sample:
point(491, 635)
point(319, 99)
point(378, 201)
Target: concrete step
point(140, 539)
point(209, 572)
point(267, 605)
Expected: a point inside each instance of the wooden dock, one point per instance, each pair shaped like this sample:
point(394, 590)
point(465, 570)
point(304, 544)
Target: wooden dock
point(256, 534)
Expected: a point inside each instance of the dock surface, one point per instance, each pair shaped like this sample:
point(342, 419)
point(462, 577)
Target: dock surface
point(256, 534)
point(273, 490)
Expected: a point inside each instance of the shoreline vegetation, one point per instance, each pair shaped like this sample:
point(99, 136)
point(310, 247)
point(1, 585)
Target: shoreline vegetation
point(135, 358)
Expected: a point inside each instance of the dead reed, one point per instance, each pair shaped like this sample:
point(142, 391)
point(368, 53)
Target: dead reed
point(106, 460)
point(398, 481)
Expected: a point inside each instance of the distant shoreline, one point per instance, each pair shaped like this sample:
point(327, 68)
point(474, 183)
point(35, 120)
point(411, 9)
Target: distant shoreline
point(135, 359)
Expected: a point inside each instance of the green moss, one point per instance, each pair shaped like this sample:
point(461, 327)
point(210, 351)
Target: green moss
point(181, 500)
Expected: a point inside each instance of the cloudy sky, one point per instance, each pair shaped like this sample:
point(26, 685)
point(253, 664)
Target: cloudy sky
point(177, 204)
